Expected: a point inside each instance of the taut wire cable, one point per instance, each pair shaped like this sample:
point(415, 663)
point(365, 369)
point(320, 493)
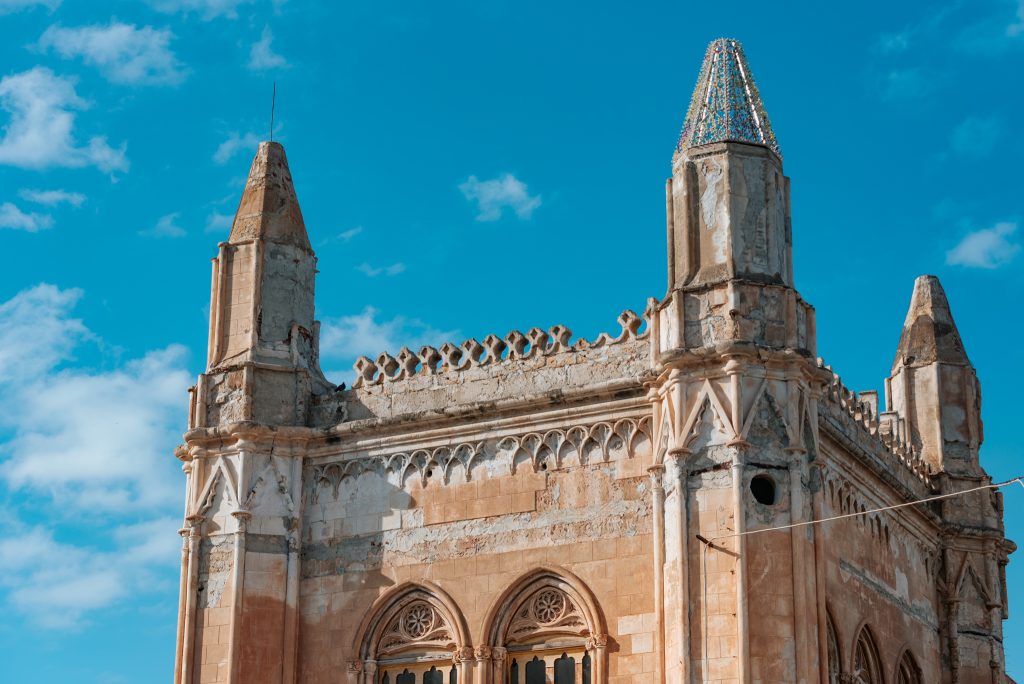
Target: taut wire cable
point(707, 543)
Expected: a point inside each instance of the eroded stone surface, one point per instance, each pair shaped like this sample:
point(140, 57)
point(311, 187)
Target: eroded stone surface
point(635, 502)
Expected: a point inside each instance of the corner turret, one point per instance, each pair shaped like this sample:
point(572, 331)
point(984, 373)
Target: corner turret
point(263, 364)
point(933, 391)
point(730, 270)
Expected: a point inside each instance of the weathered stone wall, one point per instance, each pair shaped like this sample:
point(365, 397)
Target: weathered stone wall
point(473, 511)
point(881, 569)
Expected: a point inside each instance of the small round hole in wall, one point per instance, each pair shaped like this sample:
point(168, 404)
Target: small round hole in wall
point(544, 466)
point(763, 489)
point(430, 472)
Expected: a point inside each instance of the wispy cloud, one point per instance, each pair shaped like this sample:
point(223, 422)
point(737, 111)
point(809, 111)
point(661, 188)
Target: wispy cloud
point(166, 227)
point(39, 132)
point(374, 271)
point(11, 6)
point(346, 338)
point(262, 56)
point(13, 217)
point(1016, 28)
point(493, 196)
point(205, 9)
point(347, 235)
point(217, 222)
point(976, 136)
point(123, 53)
point(986, 248)
point(83, 441)
point(52, 198)
point(235, 143)
point(906, 84)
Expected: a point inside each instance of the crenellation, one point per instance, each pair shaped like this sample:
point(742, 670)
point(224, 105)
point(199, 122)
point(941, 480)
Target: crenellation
point(450, 359)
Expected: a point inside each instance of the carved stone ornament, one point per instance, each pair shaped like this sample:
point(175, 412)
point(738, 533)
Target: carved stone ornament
point(417, 625)
point(548, 611)
point(483, 653)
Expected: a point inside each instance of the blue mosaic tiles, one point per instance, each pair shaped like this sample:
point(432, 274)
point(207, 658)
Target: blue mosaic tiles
point(726, 105)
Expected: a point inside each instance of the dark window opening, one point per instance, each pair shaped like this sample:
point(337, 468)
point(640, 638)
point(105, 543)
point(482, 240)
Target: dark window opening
point(763, 489)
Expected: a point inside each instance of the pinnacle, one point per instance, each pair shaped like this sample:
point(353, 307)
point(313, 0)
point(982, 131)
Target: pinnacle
point(726, 106)
point(269, 209)
point(929, 333)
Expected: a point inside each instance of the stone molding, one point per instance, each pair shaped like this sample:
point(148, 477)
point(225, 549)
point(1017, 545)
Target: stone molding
point(599, 438)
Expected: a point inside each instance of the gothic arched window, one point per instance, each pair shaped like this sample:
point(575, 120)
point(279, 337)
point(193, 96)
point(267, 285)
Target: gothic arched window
point(413, 635)
point(907, 671)
point(867, 667)
point(834, 658)
point(546, 629)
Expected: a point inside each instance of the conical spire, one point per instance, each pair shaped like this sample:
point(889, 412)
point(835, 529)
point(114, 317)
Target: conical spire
point(269, 208)
point(726, 106)
point(929, 333)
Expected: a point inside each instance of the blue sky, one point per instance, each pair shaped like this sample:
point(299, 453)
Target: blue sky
point(464, 168)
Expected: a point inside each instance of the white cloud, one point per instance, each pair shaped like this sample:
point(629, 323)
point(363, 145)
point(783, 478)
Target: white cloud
point(493, 196)
point(347, 235)
point(217, 222)
point(262, 57)
point(906, 84)
point(235, 143)
point(346, 338)
point(56, 584)
point(206, 9)
point(84, 442)
point(1017, 27)
point(976, 136)
point(37, 333)
point(986, 248)
point(39, 132)
point(10, 6)
point(13, 217)
point(374, 271)
point(52, 198)
point(124, 53)
point(95, 440)
point(166, 226)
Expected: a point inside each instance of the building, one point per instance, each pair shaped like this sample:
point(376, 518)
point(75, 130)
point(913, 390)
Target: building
point(528, 508)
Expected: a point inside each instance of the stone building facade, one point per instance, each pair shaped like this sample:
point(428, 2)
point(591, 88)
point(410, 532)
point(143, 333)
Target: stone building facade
point(630, 509)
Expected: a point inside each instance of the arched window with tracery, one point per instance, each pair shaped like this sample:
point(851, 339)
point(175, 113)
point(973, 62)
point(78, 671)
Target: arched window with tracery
point(835, 671)
point(867, 668)
point(546, 628)
point(907, 671)
point(415, 634)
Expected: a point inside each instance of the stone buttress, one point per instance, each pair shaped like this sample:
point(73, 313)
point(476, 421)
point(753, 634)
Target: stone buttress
point(240, 561)
point(735, 399)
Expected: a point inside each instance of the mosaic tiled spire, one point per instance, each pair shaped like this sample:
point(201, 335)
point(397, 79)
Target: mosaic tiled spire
point(726, 105)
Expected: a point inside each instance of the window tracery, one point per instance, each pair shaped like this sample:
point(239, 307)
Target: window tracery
point(548, 628)
point(834, 660)
point(866, 663)
point(415, 635)
point(907, 671)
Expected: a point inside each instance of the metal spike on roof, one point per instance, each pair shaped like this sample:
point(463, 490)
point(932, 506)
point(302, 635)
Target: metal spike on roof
point(726, 106)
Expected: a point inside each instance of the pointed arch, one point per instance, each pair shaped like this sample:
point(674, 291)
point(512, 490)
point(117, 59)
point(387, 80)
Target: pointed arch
point(867, 664)
point(413, 627)
point(907, 669)
point(551, 615)
point(835, 655)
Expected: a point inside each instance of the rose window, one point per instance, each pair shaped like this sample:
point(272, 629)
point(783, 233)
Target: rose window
point(418, 620)
point(549, 606)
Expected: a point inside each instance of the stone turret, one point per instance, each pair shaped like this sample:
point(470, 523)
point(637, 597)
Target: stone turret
point(263, 348)
point(730, 271)
point(933, 389)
